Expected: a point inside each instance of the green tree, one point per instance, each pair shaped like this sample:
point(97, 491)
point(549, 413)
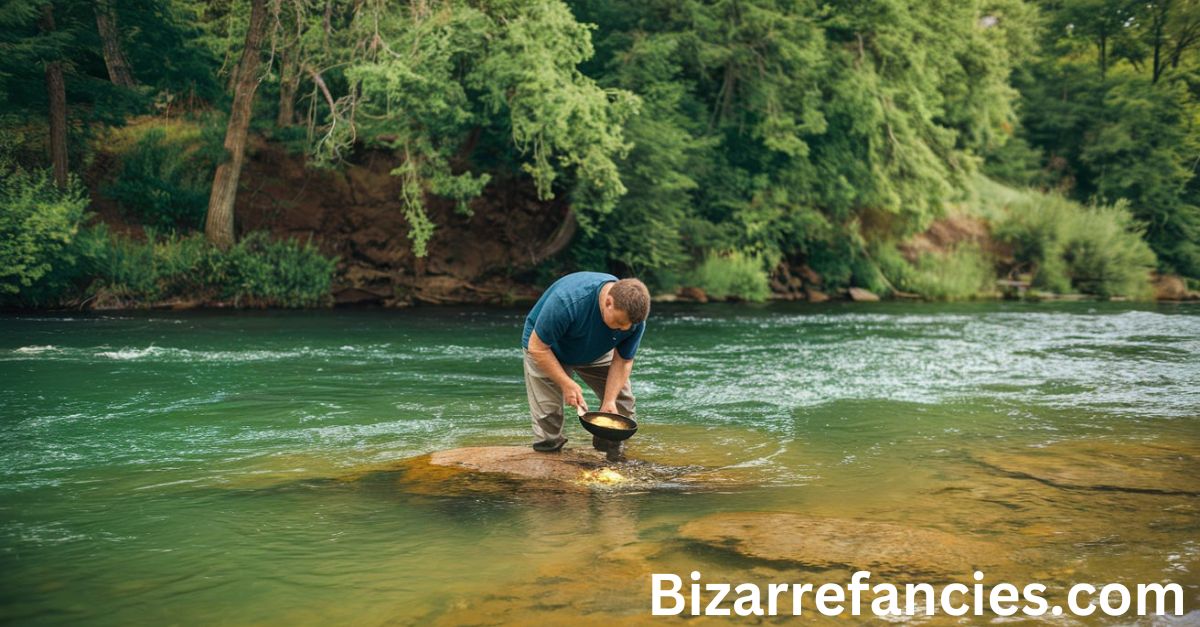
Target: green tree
point(432, 81)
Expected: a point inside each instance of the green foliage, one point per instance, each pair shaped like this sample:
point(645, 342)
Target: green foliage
point(962, 273)
point(260, 269)
point(1069, 247)
point(257, 271)
point(783, 128)
point(165, 183)
point(426, 79)
point(1112, 105)
point(733, 275)
point(676, 129)
point(37, 222)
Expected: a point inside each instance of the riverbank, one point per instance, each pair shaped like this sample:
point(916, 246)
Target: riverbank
point(321, 237)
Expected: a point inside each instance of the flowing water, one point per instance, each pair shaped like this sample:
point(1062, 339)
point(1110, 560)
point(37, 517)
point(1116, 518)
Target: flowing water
point(206, 467)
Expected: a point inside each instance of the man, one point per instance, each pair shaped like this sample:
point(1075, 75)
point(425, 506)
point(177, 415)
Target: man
point(590, 323)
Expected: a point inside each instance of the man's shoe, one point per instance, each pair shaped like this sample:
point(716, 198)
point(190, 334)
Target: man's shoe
point(599, 443)
point(616, 452)
point(549, 447)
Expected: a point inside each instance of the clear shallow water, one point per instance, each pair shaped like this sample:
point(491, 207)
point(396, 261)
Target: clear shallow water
point(177, 467)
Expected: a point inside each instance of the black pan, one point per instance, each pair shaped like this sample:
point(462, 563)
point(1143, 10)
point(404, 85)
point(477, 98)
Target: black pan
point(608, 433)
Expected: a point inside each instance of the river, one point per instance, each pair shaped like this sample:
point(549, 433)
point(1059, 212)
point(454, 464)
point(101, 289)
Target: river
point(233, 467)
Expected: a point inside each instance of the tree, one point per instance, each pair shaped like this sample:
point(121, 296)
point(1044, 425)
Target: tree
point(110, 38)
point(57, 96)
point(1173, 28)
point(434, 80)
point(218, 225)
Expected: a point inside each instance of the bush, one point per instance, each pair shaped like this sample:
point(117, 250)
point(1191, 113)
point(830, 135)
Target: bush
point(733, 275)
point(276, 271)
point(962, 273)
point(165, 177)
point(1095, 250)
point(257, 271)
point(37, 223)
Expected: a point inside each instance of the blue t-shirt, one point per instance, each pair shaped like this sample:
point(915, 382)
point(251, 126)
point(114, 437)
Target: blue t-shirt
point(567, 317)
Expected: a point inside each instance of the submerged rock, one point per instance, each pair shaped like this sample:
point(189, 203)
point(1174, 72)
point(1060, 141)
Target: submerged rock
point(1132, 466)
point(503, 469)
point(838, 542)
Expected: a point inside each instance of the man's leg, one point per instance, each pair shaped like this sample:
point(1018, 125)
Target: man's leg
point(595, 375)
point(545, 407)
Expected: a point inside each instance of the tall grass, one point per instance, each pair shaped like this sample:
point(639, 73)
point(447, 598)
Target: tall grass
point(1071, 247)
point(255, 272)
point(733, 275)
point(962, 273)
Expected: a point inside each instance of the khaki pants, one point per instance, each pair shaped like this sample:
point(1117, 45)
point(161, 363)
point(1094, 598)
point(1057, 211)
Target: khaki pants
point(546, 398)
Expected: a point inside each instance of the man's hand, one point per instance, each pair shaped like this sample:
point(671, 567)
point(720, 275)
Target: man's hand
point(618, 376)
point(573, 395)
point(544, 357)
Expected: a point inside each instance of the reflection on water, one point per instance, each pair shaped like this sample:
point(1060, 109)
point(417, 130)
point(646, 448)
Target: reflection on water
point(251, 467)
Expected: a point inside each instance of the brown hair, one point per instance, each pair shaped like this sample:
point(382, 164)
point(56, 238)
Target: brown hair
point(631, 297)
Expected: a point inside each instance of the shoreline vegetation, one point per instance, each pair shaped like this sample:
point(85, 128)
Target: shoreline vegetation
point(296, 155)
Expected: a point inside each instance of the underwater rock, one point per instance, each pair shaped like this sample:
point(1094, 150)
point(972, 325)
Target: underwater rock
point(1132, 466)
point(502, 469)
point(838, 542)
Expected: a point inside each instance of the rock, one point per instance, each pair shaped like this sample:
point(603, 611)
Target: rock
point(1170, 287)
point(664, 298)
point(815, 296)
point(859, 295)
point(368, 237)
point(566, 466)
point(879, 547)
point(1131, 466)
point(502, 469)
point(357, 296)
point(809, 275)
point(442, 290)
point(693, 293)
point(393, 257)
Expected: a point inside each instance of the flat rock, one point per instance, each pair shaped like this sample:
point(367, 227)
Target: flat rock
point(859, 295)
point(844, 543)
point(567, 465)
point(502, 469)
point(1131, 466)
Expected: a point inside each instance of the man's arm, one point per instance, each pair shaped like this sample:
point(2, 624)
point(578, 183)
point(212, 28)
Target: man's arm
point(618, 374)
point(544, 357)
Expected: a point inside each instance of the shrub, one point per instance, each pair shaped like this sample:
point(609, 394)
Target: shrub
point(37, 223)
point(287, 272)
point(1095, 250)
point(165, 178)
point(733, 275)
point(962, 273)
point(257, 271)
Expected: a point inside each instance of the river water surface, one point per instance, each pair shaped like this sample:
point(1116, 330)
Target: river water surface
point(213, 467)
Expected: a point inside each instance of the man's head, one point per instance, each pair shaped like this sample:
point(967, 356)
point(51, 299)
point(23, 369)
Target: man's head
point(626, 304)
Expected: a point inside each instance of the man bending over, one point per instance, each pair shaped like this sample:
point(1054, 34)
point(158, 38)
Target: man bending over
point(588, 323)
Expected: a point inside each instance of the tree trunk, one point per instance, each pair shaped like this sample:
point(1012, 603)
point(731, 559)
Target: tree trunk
point(110, 39)
point(56, 90)
point(218, 227)
point(289, 82)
